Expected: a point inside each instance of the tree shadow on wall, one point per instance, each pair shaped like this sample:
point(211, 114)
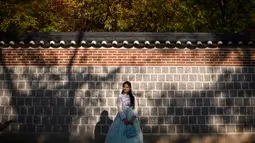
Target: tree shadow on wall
point(34, 108)
point(55, 103)
point(219, 106)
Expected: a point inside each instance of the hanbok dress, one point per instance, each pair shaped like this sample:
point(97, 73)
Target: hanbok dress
point(116, 132)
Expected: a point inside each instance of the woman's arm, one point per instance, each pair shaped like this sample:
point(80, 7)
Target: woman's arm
point(120, 110)
point(135, 111)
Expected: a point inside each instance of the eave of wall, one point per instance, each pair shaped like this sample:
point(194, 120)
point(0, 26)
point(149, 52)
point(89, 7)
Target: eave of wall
point(126, 40)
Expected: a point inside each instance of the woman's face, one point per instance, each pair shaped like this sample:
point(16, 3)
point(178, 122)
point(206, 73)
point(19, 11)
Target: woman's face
point(126, 88)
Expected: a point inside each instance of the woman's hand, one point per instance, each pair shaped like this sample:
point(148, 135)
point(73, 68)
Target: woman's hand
point(126, 121)
point(131, 122)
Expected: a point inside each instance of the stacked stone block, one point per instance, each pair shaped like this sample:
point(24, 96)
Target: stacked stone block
point(173, 100)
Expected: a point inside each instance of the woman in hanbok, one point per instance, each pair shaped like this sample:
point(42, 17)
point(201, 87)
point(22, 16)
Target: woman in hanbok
point(127, 115)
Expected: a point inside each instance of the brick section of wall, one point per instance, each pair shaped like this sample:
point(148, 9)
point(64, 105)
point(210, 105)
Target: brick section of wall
point(129, 57)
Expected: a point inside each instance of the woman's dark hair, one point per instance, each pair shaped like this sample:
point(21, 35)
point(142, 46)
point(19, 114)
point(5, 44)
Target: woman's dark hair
point(132, 98)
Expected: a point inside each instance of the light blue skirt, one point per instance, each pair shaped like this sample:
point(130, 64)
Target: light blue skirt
point(117, 134)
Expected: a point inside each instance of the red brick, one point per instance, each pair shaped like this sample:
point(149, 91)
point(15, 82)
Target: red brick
point(136, 57)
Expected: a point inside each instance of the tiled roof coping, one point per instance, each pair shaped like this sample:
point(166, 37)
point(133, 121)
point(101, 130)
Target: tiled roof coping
point(125, 39)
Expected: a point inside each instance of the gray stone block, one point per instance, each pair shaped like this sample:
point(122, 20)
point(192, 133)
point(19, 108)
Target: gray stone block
point(196, 111)
point(154, 111)
point(190, 86)
point(158, 102)
point(146, 129)
point(165, 70)
point(221, 128)
point(142, 102)
point(139, 77)
point(192, 120)
point(21, 85)
point(114, 85)
point(168, 120)
point(148, 94)
point(162, 111)
point(110, 102)
point(146, 77)
point(140, 94)
point(178, 111)
point(155, 129)
point(176, 120)
point(32, 70)
point(172, 129)
point(143, 70)
point(238, 102)
point(94, 102)
point(198, 86)
point(180, 102)
point(150, 70)
point(153, 120)
point(166, 102)
point(217, 70)
point(182, 86)
point(212, 110)
point(169, 77)
point(98, 70)
point(187, 70)
point(179, 94)
point(135, 70)
point(154, 78)
point(164, 94)
point(166, 86)
point(159, 86)
point(172, 70)
point(135, 86)
point(150, 102)
point(184, 78)
point(219, 110)
point(163, 129)
point(131, 77)
point(221, 86)
point(177, 78)
point(151, 85)
point(161, 77)
point(157, 70)
point(184, 120)
point(91, 70)
point(128, 70)
point(60, 70)
point(195, 70)
point(18, 69)
point(187, 111)
point(113, 111)
point(106, 85)
point(161, 120)
point(174, 85)
point(89, 111)
point(180, 70)
point(199, 102)
point(53, 70)
point(145, 111)
point(143, 86)
point(156, 94)
point(2, 76)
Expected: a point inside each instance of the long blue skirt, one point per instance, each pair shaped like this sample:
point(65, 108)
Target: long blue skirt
point(117, 134)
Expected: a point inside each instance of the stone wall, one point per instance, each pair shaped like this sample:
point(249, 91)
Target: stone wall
point(70, 94)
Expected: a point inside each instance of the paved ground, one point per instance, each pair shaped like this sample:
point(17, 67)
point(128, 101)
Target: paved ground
point(66, 138)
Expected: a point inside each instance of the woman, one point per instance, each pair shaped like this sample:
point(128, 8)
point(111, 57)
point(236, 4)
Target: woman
point(127, 115)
